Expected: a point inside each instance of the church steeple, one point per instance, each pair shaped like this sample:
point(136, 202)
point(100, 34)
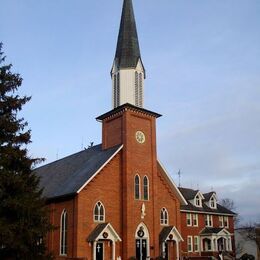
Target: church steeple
point(128, 72)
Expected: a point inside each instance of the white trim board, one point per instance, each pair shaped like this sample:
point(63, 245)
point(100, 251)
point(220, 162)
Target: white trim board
point(99, 170)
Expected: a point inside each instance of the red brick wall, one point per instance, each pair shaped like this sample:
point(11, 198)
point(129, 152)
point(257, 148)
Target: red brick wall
point(53, 239)
point(194, 231)
point(114, 187)
point(107, 188)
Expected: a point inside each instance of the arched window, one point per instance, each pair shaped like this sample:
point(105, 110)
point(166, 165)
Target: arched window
point(63, 232)
point(137, 187)
point(146, 188)
point(164, 216)
point(99, 212)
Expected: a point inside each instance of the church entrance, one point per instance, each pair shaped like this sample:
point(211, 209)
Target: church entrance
point(142, 242)
point(141, 249)
point(99, 251)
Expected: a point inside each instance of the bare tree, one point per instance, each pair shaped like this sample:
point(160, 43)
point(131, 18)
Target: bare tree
point(230, 204)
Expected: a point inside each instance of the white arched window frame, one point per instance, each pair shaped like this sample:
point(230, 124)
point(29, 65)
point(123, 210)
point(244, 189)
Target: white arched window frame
point(137, 185)
point(146, 188)
point(64, 232)
point(99, 212)
point(164, 217)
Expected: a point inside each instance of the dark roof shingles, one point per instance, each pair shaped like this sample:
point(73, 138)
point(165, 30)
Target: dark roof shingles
point(66, 176)
point(127, 51)
point(189, 194)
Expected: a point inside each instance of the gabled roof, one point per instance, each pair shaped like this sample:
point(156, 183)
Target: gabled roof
point(170, 230)
point(127, 51)
point(69, 175)
point(210, 231)
point(96, 234)
point(190, 194)
point(208, 195)
point(171, 184)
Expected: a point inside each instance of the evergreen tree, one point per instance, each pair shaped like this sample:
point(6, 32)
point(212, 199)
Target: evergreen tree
point(23, 215)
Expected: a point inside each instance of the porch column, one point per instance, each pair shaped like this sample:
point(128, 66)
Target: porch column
point(94, 250)
point(113, 250)
point(212, 244)
point(177, 249)
point(216, 244)
point(230, 244)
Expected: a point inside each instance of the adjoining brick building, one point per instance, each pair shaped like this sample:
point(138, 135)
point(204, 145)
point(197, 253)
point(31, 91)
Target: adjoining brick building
point(115, 200)
point(207, 227)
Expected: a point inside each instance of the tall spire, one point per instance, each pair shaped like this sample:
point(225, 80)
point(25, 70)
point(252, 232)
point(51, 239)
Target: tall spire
point(127, 51)
point(128, 72)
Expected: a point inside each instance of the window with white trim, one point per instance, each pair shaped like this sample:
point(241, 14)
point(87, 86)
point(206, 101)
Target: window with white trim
point(196, 244)
point(188, 218)
point(195, 220)
point(99, 212)
point(213, 203)
point(198, 201)
point(164, 218)
point(208, 221)
point(63, 232)
point(189, 244)
point(226, 224)
point(221, 221)
point(137, 187)
point(146, 188)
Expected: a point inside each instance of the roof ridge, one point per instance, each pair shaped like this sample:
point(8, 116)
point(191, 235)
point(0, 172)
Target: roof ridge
point(67, 156)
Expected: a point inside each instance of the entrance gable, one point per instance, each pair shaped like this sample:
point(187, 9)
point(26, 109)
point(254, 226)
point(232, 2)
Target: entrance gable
point(104, 231)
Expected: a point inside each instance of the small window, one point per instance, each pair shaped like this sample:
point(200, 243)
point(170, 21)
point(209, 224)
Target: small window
point(146, 188)
point(188, 216)
point(189, 243)
point(164, 216)
point(99, 212)
point(137, 187)
point(198, 201)
point(213, 203)
point(63, 232)
point(226, 222)
point(195, 220)
point(196, 244)
point(208, 221)
point(221, 221)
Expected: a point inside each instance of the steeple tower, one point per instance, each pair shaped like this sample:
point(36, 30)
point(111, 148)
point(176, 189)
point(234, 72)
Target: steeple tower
point(128, 72)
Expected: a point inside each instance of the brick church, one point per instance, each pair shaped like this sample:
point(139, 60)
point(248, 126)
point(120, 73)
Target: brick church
point(115, 200)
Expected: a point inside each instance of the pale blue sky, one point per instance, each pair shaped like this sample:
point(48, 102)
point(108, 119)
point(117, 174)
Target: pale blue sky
point(202, 62)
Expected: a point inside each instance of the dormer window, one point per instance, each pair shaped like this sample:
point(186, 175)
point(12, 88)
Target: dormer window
point(213, 203)
point(198, 201)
